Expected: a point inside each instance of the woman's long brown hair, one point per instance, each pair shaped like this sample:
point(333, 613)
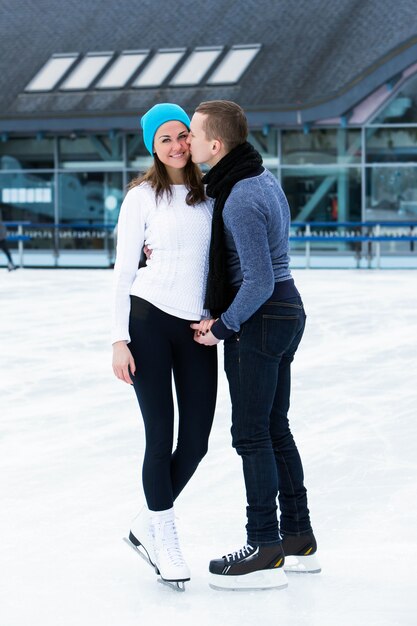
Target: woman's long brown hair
point(157, 177)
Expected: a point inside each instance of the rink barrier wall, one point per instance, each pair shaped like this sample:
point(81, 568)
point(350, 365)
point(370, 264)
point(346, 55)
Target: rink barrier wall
point(365, 239)
point(362, 240)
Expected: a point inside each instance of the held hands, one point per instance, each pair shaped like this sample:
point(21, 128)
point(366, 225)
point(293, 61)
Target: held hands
point(203, 334)
point(123, 362)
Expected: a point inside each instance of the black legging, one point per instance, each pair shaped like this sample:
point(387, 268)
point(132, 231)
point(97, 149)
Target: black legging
point(4, 247)
point(162, 345)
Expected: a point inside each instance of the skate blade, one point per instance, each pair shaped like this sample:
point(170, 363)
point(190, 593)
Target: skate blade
point(255, 581)
point(302, 564)
point(139, 550)
point(176, 586)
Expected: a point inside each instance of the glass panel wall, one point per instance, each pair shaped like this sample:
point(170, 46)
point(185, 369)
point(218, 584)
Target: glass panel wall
point(26, 153)
point(391, 145)
point(323, 194)
point(89, 197)
point(92, 151)
point(70, 188)
point(391, 193)
point(28, 197)
point(321, 146)
point(88, 205)
point(138, 158)
point(391, 167)
point(266, 142)
point(402, 109)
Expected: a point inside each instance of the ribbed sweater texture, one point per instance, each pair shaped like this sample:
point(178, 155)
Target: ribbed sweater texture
point(256, 220)
point(174, 278)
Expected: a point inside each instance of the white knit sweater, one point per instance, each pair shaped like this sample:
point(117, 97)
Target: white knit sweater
point(174, 278)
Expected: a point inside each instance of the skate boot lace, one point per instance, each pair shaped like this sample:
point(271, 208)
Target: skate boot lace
point(243, 552)
point(172, 545)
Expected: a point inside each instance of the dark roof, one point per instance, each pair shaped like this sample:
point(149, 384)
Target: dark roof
point(318, 57)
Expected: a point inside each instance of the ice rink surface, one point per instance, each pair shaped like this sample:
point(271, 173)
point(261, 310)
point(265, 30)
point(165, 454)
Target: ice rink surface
point(72, 442)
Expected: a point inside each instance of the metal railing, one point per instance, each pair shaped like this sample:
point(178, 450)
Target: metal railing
point(57, 234)
point(366, 237)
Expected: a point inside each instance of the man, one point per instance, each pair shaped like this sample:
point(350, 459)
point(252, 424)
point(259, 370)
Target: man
point(260, 317)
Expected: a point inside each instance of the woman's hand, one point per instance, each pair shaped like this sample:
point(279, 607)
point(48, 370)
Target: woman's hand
point(203, 334)
point(123, 362)
point(203, 327)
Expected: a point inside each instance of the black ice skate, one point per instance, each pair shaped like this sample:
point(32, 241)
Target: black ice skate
point(300, 554)
point(251, 567)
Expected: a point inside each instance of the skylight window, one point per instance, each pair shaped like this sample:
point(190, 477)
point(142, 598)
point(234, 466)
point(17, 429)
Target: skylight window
point(89, 68)
point(122, 69)
point(234, 64)
point(68, 72)
point(52, 72)
point(159, 67)
point(197, 64)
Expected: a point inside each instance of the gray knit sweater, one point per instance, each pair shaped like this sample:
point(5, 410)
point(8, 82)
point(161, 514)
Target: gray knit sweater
point(256, 217)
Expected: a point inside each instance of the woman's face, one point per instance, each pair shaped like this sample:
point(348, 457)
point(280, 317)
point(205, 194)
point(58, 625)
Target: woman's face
point(170, 144)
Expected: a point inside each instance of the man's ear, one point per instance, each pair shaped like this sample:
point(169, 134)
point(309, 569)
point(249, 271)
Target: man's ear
point(216, 146)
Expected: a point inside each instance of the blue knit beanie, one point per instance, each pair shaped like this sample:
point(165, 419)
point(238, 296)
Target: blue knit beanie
point(158, 115)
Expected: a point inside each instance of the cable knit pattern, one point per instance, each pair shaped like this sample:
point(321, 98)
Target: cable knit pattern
point(174, 279)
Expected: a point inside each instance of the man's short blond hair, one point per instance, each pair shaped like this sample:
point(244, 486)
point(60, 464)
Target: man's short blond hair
point(225, 120)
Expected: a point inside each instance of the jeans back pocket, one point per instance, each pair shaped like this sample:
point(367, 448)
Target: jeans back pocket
point(280, 328)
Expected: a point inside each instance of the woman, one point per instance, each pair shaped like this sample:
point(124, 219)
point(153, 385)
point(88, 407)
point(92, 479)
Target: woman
point(165, 209)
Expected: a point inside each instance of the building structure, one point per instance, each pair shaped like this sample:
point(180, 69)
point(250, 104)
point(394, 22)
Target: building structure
point(329, 88)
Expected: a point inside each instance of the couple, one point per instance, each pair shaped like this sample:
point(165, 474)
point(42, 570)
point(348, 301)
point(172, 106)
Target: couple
point(221, 270)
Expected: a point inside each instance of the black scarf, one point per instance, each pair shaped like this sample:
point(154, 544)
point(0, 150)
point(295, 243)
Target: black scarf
point(241, 162)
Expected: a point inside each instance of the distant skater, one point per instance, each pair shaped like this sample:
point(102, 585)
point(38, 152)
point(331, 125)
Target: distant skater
point(3, 246)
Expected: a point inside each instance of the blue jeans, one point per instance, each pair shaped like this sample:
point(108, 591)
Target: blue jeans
point(257, 364)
